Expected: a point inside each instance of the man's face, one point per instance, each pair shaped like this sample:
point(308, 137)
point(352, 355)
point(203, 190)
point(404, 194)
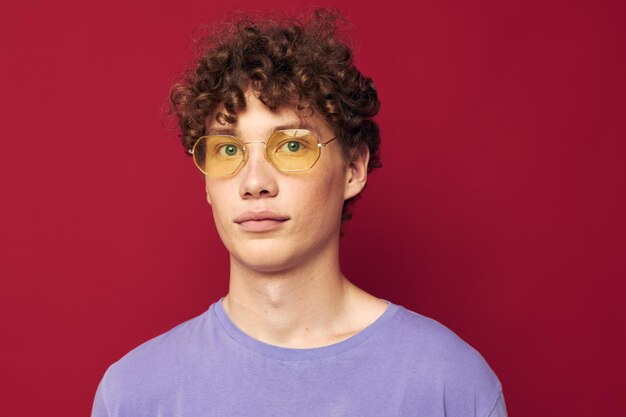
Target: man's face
point(270, 220)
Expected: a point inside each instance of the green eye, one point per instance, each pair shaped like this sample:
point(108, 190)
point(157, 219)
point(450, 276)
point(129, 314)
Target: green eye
point(293, 146)
point(228, 150)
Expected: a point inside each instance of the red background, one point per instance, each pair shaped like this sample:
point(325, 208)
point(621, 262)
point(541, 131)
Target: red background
point(499, 210)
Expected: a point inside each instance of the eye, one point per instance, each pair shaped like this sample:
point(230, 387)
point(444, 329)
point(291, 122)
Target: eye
point(291, 143)
point(227, 149)
point(291, 146)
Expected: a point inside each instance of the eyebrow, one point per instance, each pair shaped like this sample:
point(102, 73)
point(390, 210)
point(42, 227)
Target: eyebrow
point(235, 132)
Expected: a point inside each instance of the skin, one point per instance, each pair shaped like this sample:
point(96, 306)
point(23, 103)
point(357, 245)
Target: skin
point(286, 287)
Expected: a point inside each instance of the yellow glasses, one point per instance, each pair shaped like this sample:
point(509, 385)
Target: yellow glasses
point(289, 150)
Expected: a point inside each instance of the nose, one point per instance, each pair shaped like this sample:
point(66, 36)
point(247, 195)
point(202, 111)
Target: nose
point(258, 178)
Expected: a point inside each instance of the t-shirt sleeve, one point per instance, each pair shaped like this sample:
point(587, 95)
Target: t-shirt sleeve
point(499, 409)
point(99, 408)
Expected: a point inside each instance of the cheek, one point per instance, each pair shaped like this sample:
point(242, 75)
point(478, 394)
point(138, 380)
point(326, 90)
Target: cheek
point(321, 202)
point(219, 206)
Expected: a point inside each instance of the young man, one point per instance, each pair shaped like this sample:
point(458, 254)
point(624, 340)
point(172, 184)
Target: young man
point(279, 121)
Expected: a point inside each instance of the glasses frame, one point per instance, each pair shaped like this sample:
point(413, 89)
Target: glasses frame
point(320, 145)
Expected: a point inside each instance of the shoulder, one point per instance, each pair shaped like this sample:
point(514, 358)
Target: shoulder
point(162, 347)
point(429, 339)
point(432, 352)
point(157, 359)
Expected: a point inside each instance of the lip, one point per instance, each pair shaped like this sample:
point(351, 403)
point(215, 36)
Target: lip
point(260, 221)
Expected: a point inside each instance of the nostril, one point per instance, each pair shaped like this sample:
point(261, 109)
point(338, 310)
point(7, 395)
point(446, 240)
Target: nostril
point(261, 192)
point(257, 194)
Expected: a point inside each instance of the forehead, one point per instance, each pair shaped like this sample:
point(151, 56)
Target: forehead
point(256, 119)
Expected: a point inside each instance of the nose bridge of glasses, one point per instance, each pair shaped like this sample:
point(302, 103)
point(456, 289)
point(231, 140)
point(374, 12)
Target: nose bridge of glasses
point(248, 154)
point(248, 143)
point(245, 147)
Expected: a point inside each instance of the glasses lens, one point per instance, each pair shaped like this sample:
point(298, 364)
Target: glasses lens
point(293, 149)
point(218, 156)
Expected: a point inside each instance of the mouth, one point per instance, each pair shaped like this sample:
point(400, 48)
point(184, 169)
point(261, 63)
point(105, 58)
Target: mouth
point(261, 225)
point(262, 221)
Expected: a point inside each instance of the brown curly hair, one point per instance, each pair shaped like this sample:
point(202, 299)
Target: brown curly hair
point(283, 60)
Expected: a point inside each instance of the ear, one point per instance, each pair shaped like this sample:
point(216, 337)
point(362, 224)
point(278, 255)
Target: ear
point(356, 171)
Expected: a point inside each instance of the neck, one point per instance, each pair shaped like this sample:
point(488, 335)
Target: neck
point(305, 306)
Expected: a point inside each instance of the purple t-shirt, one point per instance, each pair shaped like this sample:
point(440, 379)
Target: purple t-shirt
point(403, 364)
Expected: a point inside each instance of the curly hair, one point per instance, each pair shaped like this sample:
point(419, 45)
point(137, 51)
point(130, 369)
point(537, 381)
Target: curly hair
point(282, 60)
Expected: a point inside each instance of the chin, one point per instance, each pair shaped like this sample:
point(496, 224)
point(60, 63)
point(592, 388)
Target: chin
point(267, 257)
point(265, 265)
